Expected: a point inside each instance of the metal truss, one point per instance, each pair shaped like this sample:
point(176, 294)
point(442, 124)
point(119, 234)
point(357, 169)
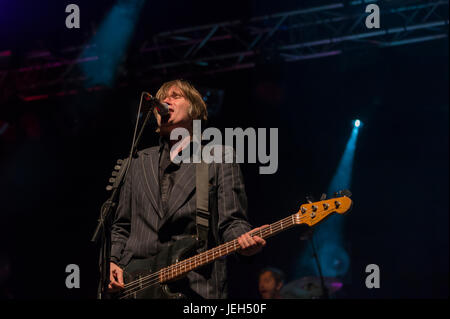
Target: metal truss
point(302, 34)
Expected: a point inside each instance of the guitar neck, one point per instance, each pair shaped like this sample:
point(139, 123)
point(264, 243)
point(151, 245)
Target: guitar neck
point(179, 269)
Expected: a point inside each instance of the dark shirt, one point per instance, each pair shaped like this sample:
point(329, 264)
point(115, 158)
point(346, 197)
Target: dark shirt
point(167, 173)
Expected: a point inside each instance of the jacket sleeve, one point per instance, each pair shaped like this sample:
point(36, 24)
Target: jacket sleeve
point(121, 225)
point(232, 202)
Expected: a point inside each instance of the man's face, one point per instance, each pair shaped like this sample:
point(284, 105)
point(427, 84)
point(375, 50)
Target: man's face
point(268, 287)
point(178, 111)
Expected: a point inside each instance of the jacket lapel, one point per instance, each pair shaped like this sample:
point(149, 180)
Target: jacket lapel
point(182, 189)
point(150, 175)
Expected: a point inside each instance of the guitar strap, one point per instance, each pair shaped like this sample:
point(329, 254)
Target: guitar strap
point(202, 192)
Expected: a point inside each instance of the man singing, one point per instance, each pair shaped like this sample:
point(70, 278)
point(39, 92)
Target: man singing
point(157, 202)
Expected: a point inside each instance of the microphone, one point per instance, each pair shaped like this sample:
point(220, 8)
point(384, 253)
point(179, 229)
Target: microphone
point(162, 108)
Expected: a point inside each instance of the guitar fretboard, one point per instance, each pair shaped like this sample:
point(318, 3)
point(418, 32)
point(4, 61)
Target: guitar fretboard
point(181, 268)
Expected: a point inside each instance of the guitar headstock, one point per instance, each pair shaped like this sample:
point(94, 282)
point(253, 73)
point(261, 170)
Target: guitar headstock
point(117, 173)
point(313, 213)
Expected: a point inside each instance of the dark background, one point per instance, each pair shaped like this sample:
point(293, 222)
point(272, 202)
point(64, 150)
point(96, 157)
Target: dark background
point(57, 156)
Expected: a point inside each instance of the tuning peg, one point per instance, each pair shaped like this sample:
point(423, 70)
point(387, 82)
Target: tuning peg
point(346, 192)
point(114, 173)
point(309, 199)
point(119, 161)
point(117, 167)
point(112, 180)
point(109, 187)
point(323, 197)
point(337, 203)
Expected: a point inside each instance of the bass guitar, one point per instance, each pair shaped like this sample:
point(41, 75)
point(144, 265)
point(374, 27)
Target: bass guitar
point(163, 275)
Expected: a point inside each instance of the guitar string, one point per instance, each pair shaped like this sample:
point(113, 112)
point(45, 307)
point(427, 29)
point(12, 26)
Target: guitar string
point(155, 276)
point(213, 251)
point(147, 280)
point(175, 268)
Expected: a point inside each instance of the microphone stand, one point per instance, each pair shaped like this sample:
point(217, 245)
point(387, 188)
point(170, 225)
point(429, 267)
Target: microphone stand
point(104, 221)
point(325, 294)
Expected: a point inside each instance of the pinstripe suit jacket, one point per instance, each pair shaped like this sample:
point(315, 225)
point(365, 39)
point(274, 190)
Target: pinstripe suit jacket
point(140, 227)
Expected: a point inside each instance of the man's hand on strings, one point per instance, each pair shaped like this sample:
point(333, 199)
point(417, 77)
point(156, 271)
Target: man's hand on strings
point(115, 278)
point(251, 245)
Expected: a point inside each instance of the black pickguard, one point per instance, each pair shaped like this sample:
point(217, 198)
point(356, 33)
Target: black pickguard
point(140, 268)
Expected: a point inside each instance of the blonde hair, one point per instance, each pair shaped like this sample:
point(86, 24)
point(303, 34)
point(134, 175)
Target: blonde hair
point(198, 106)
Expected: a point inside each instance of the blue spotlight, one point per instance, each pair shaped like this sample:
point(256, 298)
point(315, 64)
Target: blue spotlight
point(334, 260)
point(329, 235)
point(108, 46)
